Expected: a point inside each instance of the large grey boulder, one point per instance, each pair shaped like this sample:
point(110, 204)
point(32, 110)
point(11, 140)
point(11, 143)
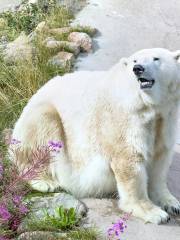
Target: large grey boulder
point(49, 203)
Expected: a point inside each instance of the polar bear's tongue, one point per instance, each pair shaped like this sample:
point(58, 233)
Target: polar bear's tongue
point(145, 83)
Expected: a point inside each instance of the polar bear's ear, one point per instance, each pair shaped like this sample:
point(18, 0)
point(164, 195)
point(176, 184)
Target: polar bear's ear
point(176, 55)
point(124, 61)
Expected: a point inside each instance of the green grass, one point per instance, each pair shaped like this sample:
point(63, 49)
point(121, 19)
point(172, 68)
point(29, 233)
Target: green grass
point(26, 19)
point(18, 82)
point(64, 220)
point(84, 234)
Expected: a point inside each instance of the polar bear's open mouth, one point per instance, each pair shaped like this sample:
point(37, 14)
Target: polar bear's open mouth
point(146, 83)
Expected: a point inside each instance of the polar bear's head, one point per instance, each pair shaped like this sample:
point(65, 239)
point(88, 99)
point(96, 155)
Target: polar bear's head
point(154, 72)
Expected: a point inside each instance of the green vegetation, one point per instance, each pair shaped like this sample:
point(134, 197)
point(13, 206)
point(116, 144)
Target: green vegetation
point(62, 219)
point(66, 220)
point(18, 82)
point(84, 234)
point(28, 16)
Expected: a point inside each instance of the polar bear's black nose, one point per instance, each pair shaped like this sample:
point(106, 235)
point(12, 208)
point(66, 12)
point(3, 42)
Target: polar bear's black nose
point(138, 69)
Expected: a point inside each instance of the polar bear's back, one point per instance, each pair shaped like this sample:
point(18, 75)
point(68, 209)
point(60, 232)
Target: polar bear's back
point(73, 86)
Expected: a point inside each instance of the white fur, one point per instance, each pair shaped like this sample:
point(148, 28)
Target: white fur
point(76, 96)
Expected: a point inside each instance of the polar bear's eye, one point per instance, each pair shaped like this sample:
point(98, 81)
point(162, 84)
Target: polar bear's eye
point(135, 61)
point(156, 59)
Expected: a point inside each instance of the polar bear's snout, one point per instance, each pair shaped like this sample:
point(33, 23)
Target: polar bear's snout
point(138, 69)
point(140, 72)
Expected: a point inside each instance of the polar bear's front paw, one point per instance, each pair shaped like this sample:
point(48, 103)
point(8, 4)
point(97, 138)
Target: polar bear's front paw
point(171, 205)
point(167, 202)
point(147, 211)
point(42, 186)
point(157, 216)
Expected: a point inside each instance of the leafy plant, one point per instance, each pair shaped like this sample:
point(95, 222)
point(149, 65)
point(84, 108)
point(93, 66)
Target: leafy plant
point(62, 219)
point(13, 184)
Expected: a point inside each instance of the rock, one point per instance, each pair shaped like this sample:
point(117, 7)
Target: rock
point(51, 43)
point(33, 1)
point(40, 235)
point(60, 31)
point(32, 36)
point(3, 43)
point(62, 60)
point(3, 23)
point(42, 27)
point(50, 203)
point(86, 29)
point(6, 135)
point(18, 50)
point(82, 39)
point(58, 199)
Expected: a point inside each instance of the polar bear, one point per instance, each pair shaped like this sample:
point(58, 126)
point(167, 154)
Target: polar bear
point(118, 130)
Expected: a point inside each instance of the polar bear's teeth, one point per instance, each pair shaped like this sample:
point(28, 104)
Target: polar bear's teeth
point(146, 84)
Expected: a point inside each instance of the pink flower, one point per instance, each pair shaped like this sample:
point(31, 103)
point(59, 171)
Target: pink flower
point(3, 238)
point(55, 146)
point(14, 141)
point(23, 209)
point(17, 199)
point(4, 213)
point(15, 224)
point(118, 228)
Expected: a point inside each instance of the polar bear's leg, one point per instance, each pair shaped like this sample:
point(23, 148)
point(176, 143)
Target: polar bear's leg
point(131, 180)
point(158, 169)
point(158, 189)
point(35, 128)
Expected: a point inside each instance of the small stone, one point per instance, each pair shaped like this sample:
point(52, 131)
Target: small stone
point(42, 27)
point(82, 39)
point(41, 235)
point(86, 29)
point(33, 1)
point(62, 60)
point(6, 135)
point(3, 43)
point(51, 43)
point(3, 23)
point(18, 50)
point(60, 31)
point(32, 36)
